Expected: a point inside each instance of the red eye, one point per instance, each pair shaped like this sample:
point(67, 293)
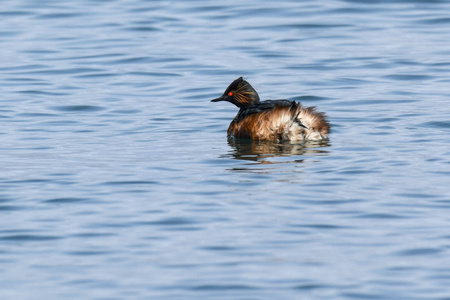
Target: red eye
point(230, 94)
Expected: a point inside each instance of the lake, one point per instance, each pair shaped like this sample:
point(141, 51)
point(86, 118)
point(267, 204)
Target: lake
point(117, 180)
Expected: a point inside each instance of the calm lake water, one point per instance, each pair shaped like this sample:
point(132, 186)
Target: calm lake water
point(117, 180)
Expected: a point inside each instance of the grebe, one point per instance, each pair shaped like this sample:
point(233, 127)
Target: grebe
point(272, 120)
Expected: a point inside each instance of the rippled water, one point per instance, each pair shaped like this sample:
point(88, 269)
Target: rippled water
point(117, 180)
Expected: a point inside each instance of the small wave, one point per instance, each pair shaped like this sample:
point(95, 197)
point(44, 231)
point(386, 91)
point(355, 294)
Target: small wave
point(78, 108)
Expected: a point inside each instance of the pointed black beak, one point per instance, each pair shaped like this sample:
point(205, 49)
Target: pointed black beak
point(221, 98)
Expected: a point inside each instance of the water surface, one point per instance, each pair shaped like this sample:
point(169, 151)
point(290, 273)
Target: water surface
point(117, 180)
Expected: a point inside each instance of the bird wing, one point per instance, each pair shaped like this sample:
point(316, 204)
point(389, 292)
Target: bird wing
point(266, 106)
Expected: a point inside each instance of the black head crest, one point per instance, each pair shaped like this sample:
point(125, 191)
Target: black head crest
point(240, 93)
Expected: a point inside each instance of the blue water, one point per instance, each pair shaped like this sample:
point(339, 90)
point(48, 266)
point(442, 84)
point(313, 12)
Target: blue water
point(117, 180)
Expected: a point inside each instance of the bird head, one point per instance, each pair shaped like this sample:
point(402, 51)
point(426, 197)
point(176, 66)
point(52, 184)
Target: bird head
point(240, 93)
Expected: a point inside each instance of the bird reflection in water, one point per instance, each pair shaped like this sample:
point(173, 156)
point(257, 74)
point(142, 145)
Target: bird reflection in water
point(261, 151)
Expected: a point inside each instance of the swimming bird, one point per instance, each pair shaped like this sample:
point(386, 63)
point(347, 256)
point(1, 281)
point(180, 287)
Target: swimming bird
point(272, 120)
